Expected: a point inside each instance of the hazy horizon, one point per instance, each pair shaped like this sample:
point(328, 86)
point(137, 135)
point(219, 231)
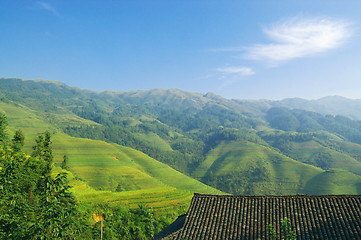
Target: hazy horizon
point(202, 93)
point(236, 49)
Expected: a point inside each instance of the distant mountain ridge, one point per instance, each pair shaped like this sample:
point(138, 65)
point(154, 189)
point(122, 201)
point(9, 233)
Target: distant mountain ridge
point(334, 105)
point(101, 171)
point(250, 147)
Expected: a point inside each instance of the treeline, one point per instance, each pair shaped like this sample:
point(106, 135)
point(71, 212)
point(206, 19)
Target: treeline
point(184, 153)
point(189, 132)
point(181, 128)
point(35, 204)
point(305, 121)
point(242, 182)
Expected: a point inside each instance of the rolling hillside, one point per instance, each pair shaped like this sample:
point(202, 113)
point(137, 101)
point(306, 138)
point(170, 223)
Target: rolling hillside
point(121, 143)
point(105, 172)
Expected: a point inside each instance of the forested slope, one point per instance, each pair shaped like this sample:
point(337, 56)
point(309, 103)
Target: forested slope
point(237, 146)
point(106, 167)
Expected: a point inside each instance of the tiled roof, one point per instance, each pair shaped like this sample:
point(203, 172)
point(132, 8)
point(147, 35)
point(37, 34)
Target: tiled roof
point(247, 217)
point(172, 230)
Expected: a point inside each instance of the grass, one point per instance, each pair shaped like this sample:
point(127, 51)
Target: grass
point(352, 149)
point(334, 182)
point(153, 140)
point(310, 150)
point(156, 197)
point(21, 117)
point(97, 167)
point(166, 174)
point(283, 175)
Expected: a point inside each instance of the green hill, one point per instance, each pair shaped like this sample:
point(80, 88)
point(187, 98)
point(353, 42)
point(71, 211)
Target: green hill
point(313, 153)
point(251, 169)
point(334, 105)
point(334, 182)
point(105, 172)
point(312, 149)
point(237, 146)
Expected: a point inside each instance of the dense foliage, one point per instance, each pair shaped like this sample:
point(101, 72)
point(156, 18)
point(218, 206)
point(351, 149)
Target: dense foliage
point(286, 231)
point(304, 121)
point(236, 146)
point(35, 204)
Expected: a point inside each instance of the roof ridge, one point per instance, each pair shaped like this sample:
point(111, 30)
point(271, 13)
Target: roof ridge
point(276, 196)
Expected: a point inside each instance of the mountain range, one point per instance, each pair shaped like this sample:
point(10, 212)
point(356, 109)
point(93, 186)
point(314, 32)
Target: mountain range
point(159, 146)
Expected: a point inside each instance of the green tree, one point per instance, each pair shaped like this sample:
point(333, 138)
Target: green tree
point(18, 141)
point(3, 125)
point(33, 204)
point(65, 162)
point(286, 232)
point(57, 216)
point(43, 151)
point(18, 204)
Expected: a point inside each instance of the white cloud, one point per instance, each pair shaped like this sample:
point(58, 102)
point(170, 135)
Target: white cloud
point(232, 74)
point(300, 37)
point(244, 71)
point(48, 7)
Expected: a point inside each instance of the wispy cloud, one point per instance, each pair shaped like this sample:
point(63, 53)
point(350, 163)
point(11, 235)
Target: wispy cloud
point(300, 37)
point(232, 74)
point(48, 7)
point(243, 71)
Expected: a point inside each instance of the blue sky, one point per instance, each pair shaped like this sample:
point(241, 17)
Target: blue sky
point(245, 49)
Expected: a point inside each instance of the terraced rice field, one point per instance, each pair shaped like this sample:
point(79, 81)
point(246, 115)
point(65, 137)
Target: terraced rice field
point(283, 173)
point(98, 169)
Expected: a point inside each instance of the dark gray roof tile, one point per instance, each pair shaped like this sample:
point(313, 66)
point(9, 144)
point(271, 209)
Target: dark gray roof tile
point(247, 217)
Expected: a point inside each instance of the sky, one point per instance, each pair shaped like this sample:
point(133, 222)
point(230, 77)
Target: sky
point(244, 49)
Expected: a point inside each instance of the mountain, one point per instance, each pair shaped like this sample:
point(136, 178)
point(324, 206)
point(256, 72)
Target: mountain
point(236, 146)
point(105, 172)
point(331, 105)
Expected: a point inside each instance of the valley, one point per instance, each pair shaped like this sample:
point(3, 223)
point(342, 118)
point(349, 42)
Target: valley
point(135, 140)
point(158, 147)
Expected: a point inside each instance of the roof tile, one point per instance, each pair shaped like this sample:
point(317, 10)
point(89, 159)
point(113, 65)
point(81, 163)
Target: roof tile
point(247, 217)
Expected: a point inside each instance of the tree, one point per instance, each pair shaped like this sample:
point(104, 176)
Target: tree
point(3, 125)
point(33, 204)
point(57, 216)
point(43, 151)
point(18, 141)
point(286, 232)
point(64, 163)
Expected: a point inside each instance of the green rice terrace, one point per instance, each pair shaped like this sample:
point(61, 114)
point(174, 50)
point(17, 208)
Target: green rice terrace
point(97, 168)
point(135, 159)
point(106, 179)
